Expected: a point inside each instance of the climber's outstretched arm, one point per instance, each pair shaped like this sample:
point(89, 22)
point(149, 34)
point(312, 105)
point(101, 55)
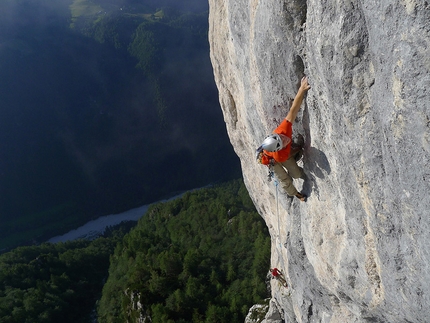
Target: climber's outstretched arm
point(295, 107)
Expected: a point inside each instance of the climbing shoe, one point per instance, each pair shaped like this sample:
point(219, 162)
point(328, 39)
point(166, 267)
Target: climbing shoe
point(302, 197)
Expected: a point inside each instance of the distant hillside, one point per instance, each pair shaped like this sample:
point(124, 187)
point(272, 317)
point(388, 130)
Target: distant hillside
point(104, 106)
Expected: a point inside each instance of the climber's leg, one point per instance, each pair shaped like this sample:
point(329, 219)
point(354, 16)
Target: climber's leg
point(296, 172)
point(283, 281)
point(284, 179)
point(293, 169)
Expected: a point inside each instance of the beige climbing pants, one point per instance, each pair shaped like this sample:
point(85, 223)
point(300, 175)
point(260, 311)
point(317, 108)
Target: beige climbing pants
point(286, 171)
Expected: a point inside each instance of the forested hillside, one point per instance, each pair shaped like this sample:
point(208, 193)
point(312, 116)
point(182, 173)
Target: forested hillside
point(55, 282)
point(201, 258)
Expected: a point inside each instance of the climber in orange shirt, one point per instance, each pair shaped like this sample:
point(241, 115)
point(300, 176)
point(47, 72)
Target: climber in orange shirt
point(277, 151)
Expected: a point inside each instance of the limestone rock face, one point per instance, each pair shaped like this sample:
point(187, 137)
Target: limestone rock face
point(359, 249)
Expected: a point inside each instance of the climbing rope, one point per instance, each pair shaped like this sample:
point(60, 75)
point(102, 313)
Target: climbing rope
point(277, 211)
point(271, 176)
point(279, 225)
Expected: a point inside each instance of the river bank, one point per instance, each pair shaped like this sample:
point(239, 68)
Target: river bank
point(95, 228)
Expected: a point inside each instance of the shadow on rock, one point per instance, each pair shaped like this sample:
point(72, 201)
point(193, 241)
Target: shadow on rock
point(316, 165)
point(316, 162)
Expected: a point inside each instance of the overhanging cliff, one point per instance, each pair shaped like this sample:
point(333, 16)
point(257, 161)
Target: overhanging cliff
point(358, 249)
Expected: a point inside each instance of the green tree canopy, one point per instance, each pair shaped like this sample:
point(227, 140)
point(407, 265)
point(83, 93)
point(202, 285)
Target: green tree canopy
point(199, 258)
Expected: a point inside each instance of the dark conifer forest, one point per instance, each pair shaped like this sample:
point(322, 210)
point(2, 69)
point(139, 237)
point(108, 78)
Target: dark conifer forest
point(199, 258)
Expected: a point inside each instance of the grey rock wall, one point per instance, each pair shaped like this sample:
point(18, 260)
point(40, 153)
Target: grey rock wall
point(358, 250)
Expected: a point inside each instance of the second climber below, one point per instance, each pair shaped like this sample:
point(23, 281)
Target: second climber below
point(277, 149)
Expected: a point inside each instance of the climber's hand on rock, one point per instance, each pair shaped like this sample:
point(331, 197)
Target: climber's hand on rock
point(304, 84)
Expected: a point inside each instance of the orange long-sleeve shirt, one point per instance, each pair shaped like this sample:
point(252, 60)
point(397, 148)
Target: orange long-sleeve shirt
point(285, 128)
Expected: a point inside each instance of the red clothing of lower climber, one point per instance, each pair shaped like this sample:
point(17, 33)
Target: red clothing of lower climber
point(277, 274)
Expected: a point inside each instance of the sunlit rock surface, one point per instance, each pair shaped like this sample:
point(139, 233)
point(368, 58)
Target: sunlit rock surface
point(358, 250)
